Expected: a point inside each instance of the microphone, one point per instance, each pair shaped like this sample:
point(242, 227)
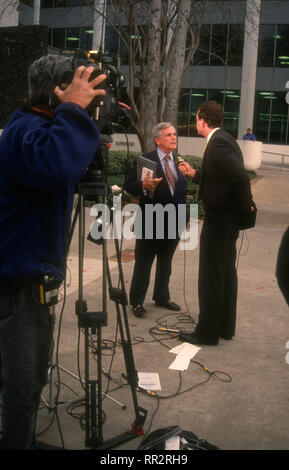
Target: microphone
point(178, 159)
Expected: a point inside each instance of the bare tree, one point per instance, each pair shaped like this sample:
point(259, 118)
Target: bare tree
point(161, 38)
point(155, 34)
point(9, 12)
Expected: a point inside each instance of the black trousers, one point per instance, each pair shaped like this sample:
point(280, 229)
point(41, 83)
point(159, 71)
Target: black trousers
point(26, 334)
point(217, 283)
point(145, 253)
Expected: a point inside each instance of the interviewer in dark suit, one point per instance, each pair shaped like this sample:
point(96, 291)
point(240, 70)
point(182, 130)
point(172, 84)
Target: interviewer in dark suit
point(282, 268)
point(163, 249)
point(226, 195)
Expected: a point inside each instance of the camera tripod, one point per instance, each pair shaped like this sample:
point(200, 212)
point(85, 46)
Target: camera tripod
point(51, 401)
point(94, 321)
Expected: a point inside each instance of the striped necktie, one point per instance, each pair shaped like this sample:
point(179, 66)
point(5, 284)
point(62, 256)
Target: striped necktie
point(169, 174)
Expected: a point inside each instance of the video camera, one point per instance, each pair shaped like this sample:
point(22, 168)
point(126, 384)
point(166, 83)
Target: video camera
point(104, 110)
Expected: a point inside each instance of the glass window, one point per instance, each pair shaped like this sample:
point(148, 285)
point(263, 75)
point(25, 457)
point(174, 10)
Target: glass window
point(218, 52)
point(86, 34)
point(262, 115)
point(216, 95)
point(73, 3)
point(235, 44)
point(220, 44)
point(72, 38)
point(190, 101)
point(184, 112)
point(46, 3)
point(197, 97)
point(201, 56)
point(231, 108)
point(230, 101)
point(282, 46)
point(114, 45)
point(267, 36)
point(60, 3)
point(58, 38)
point(273, 46)
point(279, 119)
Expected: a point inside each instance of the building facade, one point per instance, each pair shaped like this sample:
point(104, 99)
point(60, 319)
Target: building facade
point(245, 68)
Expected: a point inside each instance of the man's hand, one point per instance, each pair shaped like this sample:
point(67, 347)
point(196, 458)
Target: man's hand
point(186, 169)
point(81, 91)
point(149, 183)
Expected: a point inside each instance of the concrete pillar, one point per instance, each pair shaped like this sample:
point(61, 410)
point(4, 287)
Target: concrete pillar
point(249, 67)
point(99, 25)
point(36, 12)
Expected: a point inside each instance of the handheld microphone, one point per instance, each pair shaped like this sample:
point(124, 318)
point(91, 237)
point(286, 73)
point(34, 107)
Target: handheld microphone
point(178, 159)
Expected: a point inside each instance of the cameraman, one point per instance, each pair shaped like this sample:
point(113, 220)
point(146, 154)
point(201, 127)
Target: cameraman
point(44, 150)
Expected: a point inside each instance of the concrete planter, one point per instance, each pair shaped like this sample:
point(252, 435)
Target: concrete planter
point(252, 154)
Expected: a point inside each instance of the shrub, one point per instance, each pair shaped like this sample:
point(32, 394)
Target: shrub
point(120, 163)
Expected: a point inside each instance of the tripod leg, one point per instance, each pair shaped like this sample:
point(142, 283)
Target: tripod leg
point(50, 403)
point(94, 321)
point(119, 297)
point(91, 321)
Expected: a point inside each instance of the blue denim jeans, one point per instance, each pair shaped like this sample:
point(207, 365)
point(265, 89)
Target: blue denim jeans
point(26, 332)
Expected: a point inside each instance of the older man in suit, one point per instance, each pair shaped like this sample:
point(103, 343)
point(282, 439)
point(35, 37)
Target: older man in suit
point(167, 187)
point(226, 195)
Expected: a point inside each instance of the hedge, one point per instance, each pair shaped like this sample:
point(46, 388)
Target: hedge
point(120, 163)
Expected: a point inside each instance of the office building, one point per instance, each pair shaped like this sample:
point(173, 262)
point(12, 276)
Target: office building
point(244, 67)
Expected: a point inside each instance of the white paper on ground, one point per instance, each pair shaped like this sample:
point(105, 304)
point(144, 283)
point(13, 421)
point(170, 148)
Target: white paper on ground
point(149, 381)
point(186, 349)
point(180, 363)
point(173, 443)
point(184, 353)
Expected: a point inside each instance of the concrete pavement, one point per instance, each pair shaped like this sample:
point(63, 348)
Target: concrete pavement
point(234, 395)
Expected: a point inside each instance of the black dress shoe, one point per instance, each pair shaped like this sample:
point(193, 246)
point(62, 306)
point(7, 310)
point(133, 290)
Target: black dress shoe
point(193, 339)
point(139, 311)
point(169, 305)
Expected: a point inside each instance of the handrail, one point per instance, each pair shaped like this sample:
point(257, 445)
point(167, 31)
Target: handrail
point(283, 155)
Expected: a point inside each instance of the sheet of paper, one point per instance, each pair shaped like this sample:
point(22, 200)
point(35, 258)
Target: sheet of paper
point(180, 363)
point(186, 349)
point(173, 443)
point(184, 353)
point(149, 381)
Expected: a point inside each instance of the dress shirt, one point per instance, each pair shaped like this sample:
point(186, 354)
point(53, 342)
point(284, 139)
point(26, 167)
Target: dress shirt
point(162, 155)
point(211, 133)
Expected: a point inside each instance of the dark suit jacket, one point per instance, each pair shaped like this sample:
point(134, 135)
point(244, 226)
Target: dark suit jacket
point(282, 269)
point(162, 194)
point(225, 187)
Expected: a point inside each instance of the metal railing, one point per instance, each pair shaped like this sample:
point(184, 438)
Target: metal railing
point(283, 156)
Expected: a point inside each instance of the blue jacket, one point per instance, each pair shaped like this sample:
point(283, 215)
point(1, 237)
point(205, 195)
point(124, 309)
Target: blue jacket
point(41, 159)
point(249, 137)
